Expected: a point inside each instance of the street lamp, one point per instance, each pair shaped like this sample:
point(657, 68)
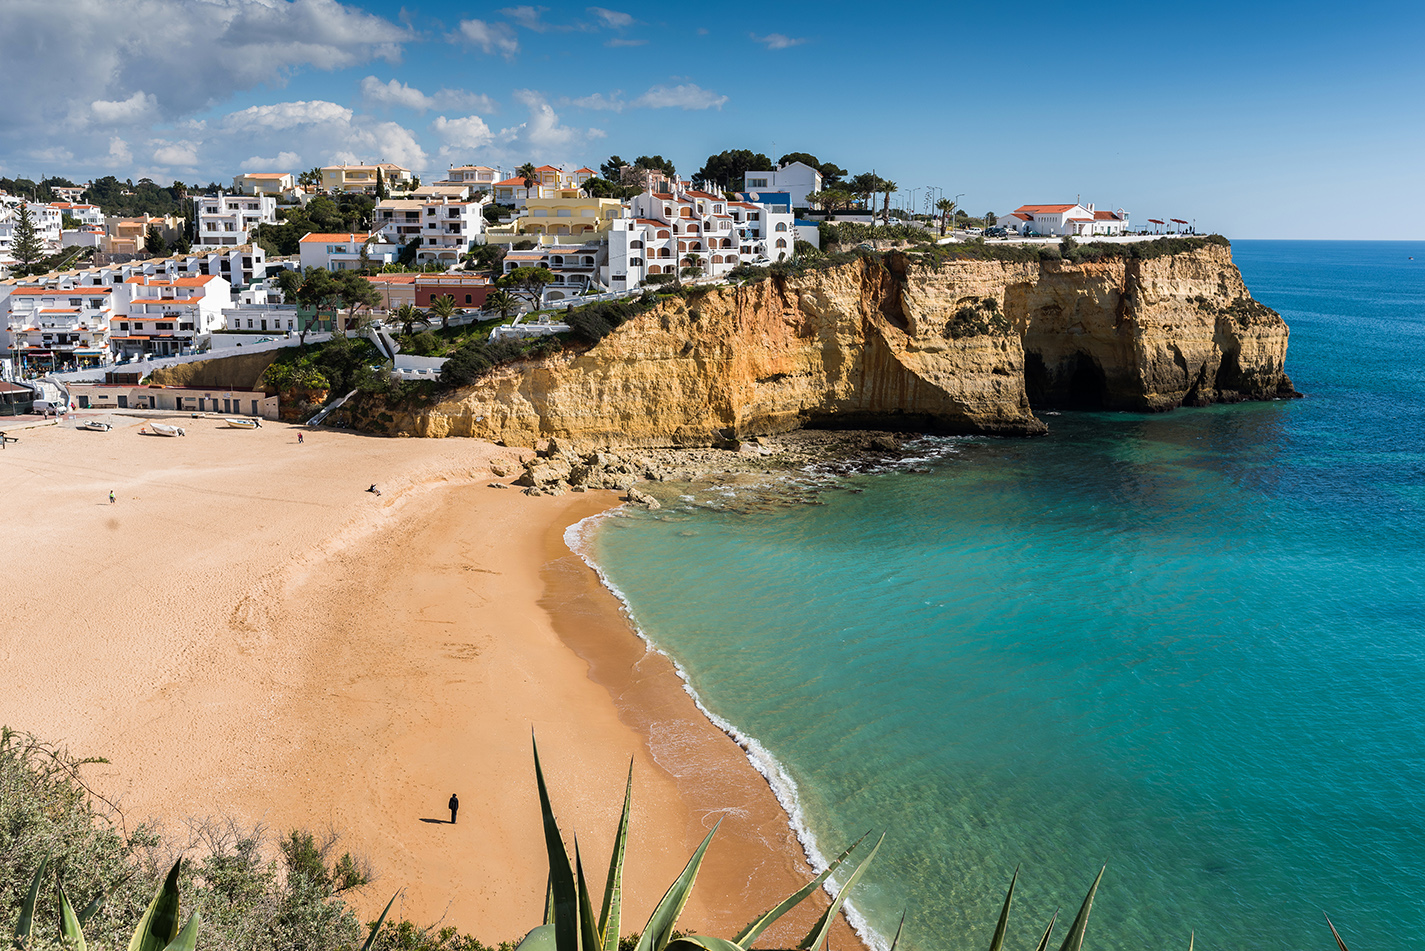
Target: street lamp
point(952, 213)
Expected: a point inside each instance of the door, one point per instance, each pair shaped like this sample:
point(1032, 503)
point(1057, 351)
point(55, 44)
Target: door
point(83, 402)
point(227, 406)
point(123, 402)
point(264, 324)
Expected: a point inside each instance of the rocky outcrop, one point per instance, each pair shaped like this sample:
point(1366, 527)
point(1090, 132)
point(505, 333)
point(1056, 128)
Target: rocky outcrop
point(893, 343)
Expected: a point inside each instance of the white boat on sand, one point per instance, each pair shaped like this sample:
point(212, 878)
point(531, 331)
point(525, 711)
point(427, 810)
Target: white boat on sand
point(163, 429)
point(246, 422)
point(94, 426)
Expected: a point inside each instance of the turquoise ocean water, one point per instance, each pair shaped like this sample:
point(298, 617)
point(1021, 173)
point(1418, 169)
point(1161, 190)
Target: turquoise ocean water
point(1188, 646)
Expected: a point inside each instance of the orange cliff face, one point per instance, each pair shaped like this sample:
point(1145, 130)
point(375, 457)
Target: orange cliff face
point(965, 347)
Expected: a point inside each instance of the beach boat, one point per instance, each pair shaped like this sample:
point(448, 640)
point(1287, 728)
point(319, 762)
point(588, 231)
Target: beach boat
point(94, 426)
point(163, 429)
point(242, 423)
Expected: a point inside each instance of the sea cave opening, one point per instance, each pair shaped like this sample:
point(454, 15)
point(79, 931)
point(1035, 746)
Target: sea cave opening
point(1077, 382)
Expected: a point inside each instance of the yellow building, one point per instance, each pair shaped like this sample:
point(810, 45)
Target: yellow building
point(362, 178)
point(569, 217)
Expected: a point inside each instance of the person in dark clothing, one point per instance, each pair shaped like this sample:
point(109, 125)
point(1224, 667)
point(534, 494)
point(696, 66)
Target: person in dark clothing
point(454, 805)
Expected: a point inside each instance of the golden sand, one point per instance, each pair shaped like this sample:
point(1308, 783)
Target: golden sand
point(247, 632)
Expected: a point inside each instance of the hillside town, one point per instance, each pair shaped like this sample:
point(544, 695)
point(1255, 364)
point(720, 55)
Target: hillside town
point(82, 289)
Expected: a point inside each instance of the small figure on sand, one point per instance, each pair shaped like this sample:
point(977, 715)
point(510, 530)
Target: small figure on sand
point(454, 805)
point(373, 490)
point(299, 439)
point(111, 496)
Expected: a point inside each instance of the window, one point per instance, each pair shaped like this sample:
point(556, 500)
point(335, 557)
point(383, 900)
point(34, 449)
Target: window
point(96, 302)
point(467, 299)
point(757, 183)
point(75, 302)
point(781, 226)
point(249, 323)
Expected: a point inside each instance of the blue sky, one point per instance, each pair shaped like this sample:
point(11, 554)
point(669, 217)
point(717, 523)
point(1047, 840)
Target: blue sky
point(1256, 120)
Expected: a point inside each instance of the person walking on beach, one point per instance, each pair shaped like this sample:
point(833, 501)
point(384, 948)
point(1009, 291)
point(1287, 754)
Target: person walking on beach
point(111, 496)
point(454, 805)
point(299, 439)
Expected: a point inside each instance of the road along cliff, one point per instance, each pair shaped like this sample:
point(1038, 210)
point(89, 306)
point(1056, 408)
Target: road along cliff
point(902, 341)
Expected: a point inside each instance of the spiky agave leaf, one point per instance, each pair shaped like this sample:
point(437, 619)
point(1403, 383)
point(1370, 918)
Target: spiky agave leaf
point(1074, 941)
point(611, 914)
point(159, 924)
point(69, 929)
point(754, 930)
point(549, 899)
point(1044, 941)
point(539, 939)
point(561, 873)
point(659, 929)
point(1339, 943)
point(187, 939)
point(997, 942)
point(897, 939)
point(589, 937)
point(822, 928)
point(702, 942)
point(375, 928)
point(27, 906)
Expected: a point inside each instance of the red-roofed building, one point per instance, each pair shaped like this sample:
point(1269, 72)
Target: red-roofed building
point(56, 328)
point(1058, 220)
point(344, 252)
point(164, 316)
point(548, 181)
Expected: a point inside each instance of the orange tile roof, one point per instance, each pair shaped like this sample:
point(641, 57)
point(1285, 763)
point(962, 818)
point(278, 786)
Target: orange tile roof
point(706, 195)
point(391, 278)
point(266, 174)
point(547, 168)
point(1044, 209)
point(195, 281)
point(590, 170)
point(1106, 216)
point(349, 236)
point(60, 310)
point(517, 180)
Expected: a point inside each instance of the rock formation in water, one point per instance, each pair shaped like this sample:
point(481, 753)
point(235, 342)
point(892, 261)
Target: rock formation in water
point(893, 342)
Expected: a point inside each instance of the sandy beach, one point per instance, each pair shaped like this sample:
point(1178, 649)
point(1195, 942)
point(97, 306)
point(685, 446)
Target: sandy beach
point(246, 632)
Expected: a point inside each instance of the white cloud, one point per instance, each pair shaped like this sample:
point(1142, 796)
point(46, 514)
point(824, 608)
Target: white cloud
point(285, 161)
point(471, 132)
point(620, 41)
point(612, 18)
point(543, 130)
point(119, 153)
point(528, 17)
point(687, 96)
point(140, 105)
point(777, 41)
point(597, 102)
point(287, 115)
point(396, 93)
point(490, 37)
point(184, 154)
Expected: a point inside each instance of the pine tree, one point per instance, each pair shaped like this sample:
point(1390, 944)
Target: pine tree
point(381, 193)
point(25, 245)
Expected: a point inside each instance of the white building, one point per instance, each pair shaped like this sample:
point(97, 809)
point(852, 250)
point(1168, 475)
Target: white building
point(795, 180)
point(344, 252)
point(228, 220)
point(1058, 220)
point(443, 229)
point(89, 215)
point(164, 316)
point(361, 179)
point(479, 177)
point(69, 193)
point(576, 269)
point(55, 328)
point(548, 180)
point(266, 183)
point(667, 231)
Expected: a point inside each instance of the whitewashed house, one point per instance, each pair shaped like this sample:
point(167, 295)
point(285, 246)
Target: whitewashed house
point(665, 232)
point(164, 316)
point(55, 328)
point(275, 184)
point(479, 177)
point(343, 252)
point(1059, 220)
point(444, 230)
point(795, 180)
point(228, 220)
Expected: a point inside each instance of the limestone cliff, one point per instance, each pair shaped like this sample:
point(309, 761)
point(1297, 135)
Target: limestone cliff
point(965, 347)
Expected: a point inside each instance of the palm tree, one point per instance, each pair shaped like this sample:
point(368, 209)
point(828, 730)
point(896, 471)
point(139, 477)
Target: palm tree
point(444, 308)
point(945, 206)
point(409, 315)
point(501, 300)
point(887, 187)
point(528, 172)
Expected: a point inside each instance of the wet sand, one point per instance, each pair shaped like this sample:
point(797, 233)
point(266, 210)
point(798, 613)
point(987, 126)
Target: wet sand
point(248, 633)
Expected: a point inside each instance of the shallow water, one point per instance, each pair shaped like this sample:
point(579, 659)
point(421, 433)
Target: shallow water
point(1188, 646)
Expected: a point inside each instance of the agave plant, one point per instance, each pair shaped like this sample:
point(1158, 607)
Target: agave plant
point(157, 930)
point(570, 923)
point(1074, 941)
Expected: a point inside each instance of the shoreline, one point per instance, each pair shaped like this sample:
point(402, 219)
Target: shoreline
point(247, 634)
